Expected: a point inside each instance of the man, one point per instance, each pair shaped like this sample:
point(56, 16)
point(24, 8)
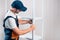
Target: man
point(11, 22)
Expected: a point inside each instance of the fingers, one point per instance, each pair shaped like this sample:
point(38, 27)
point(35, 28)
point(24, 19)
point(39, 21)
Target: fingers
point(32, 27)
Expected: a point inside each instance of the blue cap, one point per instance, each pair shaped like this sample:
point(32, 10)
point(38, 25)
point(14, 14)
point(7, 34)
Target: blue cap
point(18, 5)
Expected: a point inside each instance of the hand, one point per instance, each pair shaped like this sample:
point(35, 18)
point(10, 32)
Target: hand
point(32, 27)
point(30, 21)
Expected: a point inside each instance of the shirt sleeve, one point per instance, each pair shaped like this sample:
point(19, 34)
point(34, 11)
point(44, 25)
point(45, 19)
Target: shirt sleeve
point(12, 23)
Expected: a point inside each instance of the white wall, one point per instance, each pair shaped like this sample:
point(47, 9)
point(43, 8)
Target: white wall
point(52, 19)
point(2, 13)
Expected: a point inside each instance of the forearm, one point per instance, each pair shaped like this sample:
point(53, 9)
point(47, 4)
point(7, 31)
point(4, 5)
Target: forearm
point(22, 32)
point(32, 27)
point(23, 21)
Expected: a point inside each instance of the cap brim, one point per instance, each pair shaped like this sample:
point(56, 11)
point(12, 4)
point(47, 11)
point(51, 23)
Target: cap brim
point(23, 9)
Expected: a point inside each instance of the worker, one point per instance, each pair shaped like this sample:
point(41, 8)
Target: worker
point(11, 22)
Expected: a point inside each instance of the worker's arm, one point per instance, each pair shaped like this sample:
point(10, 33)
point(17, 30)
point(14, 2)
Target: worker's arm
point(21, 32)
point(24, 21)
point(16, 29)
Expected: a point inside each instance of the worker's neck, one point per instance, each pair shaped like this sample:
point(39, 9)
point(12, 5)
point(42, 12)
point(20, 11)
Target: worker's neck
point(13, 11)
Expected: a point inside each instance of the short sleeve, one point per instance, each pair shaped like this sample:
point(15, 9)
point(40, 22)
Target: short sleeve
point(12, 23)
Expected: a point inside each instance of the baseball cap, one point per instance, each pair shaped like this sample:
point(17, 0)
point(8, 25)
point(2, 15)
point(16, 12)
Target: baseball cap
point(18, 5)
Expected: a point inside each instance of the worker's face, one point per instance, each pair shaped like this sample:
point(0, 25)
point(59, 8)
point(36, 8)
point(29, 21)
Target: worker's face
point(17, 10)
